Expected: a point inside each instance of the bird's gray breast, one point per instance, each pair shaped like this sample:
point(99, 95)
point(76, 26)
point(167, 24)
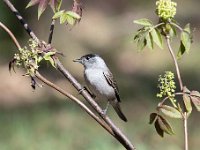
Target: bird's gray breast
point(98, 84)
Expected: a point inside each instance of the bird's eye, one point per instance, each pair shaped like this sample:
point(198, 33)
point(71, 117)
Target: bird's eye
point(87, 58)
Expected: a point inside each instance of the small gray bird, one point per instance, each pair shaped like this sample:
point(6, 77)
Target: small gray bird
point(100, 81)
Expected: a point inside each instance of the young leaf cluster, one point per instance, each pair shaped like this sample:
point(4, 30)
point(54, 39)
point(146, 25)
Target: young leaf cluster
point(30, 57)
point(148, 35)
point(67, 17)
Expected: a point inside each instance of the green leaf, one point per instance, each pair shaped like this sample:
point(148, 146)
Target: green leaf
point(181, 51)
point(141, 43)
point(73, 14)
point(50, 59)
point(152, 118)
point(58, 14)
point(159, 129)
point(187, 102)
point(143, 21)
point(172, 31)
point(170, 111)
point(165, 126)
point(149, 41)
point(157, 38)
point(52, 62)
point(71, 20)
point(186, 38)
point(63, 18)
point(49, 54)
point(195, 97)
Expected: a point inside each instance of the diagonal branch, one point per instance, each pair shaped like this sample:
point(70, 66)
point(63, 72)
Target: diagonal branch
point(51, 31)
point(63, 92)
point(77, 101)
point(117, 132)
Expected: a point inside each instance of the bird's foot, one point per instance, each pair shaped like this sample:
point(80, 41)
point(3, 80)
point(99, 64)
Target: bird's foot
point(105, 110)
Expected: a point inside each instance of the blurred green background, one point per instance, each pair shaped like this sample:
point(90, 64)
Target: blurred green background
point(45, 120)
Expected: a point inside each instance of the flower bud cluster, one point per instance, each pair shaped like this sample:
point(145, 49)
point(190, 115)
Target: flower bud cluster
point(166, 9)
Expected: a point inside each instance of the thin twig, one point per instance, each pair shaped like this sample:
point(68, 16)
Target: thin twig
point(117, 132)
point(156, 26)
point(174, 24)
point(51, 31)
point(11, 35)
point(166, 98)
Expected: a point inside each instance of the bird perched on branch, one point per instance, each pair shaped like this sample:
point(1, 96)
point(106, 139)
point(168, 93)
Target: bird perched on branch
point(101, 82)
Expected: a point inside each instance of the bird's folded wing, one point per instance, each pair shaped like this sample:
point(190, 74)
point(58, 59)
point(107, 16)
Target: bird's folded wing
point(111, 81)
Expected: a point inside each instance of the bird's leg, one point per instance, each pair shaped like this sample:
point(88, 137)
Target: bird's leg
point(107, 106)
point(85, 88)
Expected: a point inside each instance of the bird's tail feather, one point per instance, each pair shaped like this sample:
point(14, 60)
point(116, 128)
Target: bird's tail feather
point(118, 110)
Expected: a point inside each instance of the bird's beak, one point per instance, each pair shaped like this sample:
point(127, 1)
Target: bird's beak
point(78, 60)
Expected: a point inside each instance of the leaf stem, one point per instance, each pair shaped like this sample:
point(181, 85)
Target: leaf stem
point(166, 98)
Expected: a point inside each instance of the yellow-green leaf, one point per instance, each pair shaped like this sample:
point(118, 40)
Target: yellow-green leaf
point(149, 41)
point(58, 14)
point(52, 62)
point(70, 20)
point(63, 18)
point(143, 21)
point(157, 38)
point(186, 38)
point(73, 14)
point(181, 50)
point(187, 102)
point(170, 111)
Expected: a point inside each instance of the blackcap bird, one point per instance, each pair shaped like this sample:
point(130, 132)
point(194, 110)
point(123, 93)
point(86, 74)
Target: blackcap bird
point(101, 82)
